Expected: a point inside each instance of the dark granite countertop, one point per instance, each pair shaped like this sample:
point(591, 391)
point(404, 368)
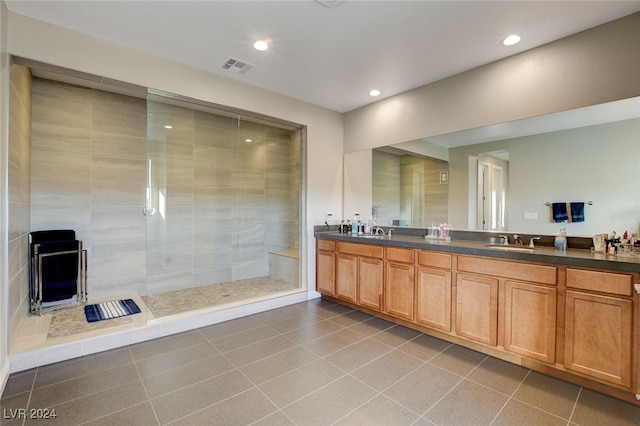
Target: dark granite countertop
point(541, 254)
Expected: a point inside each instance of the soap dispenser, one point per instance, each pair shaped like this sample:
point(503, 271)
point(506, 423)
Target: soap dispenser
point(560, 242)
point(355, 225)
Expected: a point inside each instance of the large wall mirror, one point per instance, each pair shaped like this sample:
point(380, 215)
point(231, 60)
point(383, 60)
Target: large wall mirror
point(502, 177)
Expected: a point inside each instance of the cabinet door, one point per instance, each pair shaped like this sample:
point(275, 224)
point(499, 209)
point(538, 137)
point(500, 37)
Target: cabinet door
point(398, 289)
point(370, 278)
point(598, 336)
point(477, 308)
point(433, 298)
point(346, 276)
point(325, 272)
point(530, 320)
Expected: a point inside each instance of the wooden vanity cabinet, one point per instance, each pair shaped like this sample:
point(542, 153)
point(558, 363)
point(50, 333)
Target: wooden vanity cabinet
point(530, 294)
point(433, 290)
point(598, 325)
point(359, 274)
point(530, 320)
point(346, 277)
point(517, 307)
point(399, 282)
point(325, 266)
point(370, 277)
point(477, 308)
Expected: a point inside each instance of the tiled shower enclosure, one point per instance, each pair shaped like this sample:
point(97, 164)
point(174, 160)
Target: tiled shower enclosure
point(221, 190)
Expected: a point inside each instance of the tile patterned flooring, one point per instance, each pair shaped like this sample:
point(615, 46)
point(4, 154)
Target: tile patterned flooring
point(312, 363)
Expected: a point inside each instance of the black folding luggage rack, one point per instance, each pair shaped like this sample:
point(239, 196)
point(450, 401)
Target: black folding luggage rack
point(58, 272)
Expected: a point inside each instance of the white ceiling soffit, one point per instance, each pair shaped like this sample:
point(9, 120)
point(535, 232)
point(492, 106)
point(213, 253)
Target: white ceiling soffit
point(329, 56)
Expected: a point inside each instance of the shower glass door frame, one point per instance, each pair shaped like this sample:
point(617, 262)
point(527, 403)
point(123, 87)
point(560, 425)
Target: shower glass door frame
point(224, 207)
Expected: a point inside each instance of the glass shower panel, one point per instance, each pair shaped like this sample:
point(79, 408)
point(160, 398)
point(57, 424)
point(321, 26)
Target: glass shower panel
point(223, 213)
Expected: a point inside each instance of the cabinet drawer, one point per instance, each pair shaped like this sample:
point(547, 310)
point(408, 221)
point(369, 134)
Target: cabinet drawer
point(514, 270)
point(326, 245)
point(368, 250)
point(399, 254)
point(605, 282)
point(435, 260)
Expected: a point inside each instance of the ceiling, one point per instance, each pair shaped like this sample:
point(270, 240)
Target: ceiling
point(330, 56)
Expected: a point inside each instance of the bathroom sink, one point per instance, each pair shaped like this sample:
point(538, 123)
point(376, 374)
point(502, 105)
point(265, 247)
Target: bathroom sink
point(510, 248)
point(372, 237)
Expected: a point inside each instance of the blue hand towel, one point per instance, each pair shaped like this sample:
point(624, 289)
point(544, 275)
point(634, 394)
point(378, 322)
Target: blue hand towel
point(577, 212)
point(560, 213)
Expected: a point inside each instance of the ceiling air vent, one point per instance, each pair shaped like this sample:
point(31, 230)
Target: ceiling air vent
point(330, 3)
point(237, 66)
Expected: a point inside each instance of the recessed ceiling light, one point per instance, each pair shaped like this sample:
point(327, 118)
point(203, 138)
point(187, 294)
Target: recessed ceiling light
point(511, 40)
point(374, 92)
point(261, 45)
point(248, 140)
point(168, 126)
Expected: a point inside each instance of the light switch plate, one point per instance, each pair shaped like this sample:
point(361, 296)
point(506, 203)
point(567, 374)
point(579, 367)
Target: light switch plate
point(531, 215)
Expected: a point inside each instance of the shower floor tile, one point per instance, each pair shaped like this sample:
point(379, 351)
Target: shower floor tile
point(69, 325)
point(180, 301)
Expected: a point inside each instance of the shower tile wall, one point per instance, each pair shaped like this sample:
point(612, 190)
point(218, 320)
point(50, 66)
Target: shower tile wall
point(228, 201)
point(386, 187)
point(393, 179)
point(19, 165)
point(88, 168)
point(435, 194)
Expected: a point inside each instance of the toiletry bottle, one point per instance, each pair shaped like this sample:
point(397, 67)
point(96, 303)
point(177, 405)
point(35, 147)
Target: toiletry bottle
point(355, 224)
point(560, 242)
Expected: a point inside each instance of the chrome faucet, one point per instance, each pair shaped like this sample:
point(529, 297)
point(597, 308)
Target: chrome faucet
point(378, 231)
point(531, 244)
point(505, 241)
point(517, 239)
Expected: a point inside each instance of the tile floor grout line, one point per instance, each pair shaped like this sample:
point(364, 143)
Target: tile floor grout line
point(118, 411)
point(257, 387)
point(82, 376)
point(208, 406)
point(382, 391)
point(513, 398)
point(196, 382)
point(292, 402)
point(281, 352)
point(33, 384)
point(144, 386)
point(443, 396)
point(575, 404)
point(55, 406)
point(316, 390)
point(178, 366)
point(462, 379)
point(243, 346)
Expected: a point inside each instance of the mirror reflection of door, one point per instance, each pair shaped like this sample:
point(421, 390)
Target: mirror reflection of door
point(483, 197)
point(417, 200)
point(492, 191)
